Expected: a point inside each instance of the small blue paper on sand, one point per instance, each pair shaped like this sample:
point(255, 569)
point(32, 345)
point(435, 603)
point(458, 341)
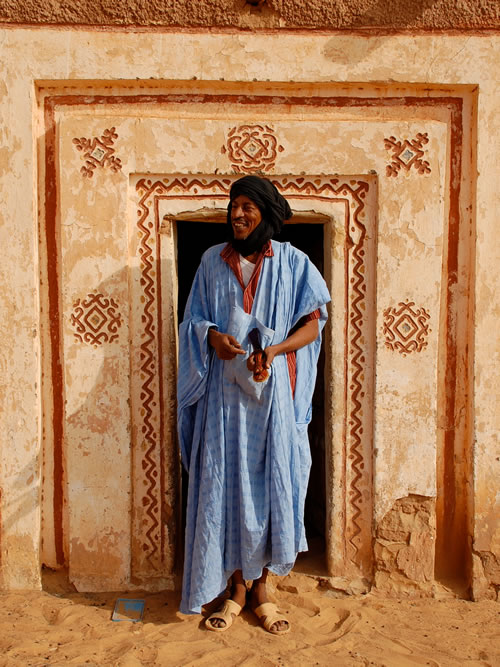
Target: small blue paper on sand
point(128, 610)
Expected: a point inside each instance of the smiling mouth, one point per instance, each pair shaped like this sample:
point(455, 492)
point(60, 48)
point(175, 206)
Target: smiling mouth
point(239, 224)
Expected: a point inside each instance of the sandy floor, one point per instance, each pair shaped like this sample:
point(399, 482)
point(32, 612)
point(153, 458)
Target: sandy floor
point(61, 628)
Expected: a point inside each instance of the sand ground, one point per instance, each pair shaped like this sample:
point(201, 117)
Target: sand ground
point(61, 627)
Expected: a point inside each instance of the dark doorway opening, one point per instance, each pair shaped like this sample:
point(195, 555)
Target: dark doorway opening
point(193, 238)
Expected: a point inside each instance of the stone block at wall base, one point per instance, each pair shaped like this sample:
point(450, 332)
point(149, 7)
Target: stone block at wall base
point(404, 547)
point(19, 569)
point(485, 576)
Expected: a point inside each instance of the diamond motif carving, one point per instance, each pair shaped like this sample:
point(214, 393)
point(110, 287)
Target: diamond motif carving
point(252, 148)
point(406, 328)
point(98, 152)
point(96, 319)
point(407, 154)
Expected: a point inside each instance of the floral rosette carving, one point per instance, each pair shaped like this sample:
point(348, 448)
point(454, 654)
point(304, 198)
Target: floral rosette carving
point(98, 152)
point(252, 148)
point(407, 154)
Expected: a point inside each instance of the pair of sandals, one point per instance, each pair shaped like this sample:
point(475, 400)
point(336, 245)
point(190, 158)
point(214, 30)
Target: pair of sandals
point(267, 613)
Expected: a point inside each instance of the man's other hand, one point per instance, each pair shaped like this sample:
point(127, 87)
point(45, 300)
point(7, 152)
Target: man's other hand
point(269, 354)
point(226, 347)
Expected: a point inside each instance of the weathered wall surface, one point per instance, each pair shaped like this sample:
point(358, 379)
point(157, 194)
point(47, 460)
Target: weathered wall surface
point(258, 14)
point(102, 134)
point(404, 547)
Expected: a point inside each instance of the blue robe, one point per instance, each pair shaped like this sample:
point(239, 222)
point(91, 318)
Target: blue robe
point(245, 445)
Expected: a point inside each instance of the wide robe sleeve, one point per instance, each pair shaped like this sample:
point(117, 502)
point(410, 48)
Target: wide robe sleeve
point(194, 357)
point(311, 294)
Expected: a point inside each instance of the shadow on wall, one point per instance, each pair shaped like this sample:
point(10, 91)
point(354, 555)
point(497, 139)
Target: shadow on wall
point(348, 51)
point(99, 474)
point(19, 506)
point(345, 51)
point(371, 14)
point(19, 535)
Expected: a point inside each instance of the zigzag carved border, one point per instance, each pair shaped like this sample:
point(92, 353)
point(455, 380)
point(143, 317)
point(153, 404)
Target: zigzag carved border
point(153, 539)
point(358, 471)
point(357, 298)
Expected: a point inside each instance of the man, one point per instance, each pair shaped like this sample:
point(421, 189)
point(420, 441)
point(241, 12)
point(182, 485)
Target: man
point(243, 428)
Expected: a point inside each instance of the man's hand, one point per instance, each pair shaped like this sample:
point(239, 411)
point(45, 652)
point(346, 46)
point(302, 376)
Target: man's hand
point(303, 336)
point(269, 354)
point(226, 347)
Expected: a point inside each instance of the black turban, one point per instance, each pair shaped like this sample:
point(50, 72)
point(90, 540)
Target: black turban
point(273, 207)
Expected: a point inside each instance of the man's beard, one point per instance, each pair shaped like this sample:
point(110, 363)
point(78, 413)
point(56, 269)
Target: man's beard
point(254, 242)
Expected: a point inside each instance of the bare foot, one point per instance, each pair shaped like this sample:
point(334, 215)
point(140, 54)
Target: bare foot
point(258, 596)
point(238, 595)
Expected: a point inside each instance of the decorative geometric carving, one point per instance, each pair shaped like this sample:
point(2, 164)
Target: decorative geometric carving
point(352, 192)
point(407, 154)
point(96, 320)
point(150, 446)
point(98, 152)
point(252, 148)
point(405, 328)
point(356, 381)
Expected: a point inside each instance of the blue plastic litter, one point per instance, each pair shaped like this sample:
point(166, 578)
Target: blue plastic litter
point(128, 610)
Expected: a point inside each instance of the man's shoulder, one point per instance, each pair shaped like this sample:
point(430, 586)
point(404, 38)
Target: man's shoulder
point(286, 250)
point(213, 252)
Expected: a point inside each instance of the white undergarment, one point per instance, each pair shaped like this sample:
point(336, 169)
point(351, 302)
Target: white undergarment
point(246, 269)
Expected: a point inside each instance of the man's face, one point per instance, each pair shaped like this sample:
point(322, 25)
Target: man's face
point(245, 217)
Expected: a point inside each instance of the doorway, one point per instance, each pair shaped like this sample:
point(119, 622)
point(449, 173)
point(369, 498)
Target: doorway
point(193, 238)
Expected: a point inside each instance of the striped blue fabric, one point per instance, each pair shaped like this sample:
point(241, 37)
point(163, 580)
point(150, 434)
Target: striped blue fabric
point(247, 456)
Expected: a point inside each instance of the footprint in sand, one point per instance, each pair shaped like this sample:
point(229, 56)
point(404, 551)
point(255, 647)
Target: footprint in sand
point(70, 616)
point(331, 625)
point(305, 606)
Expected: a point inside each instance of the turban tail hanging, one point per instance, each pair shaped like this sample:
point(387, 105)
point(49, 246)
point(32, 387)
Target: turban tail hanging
point(273, 206)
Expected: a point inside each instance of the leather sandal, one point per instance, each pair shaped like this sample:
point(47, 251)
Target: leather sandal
point(268, 614)
point(227, 613)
